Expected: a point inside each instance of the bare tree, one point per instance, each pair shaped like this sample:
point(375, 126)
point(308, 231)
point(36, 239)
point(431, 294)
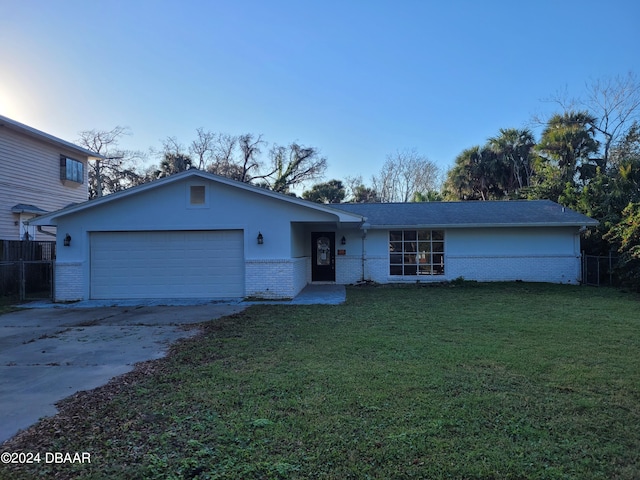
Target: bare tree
point(250, 151)
point(239, 158)
point(171, 146)
point(615, 102)
point(118, 169)
point(234, 157)
point(202, 148)
point(224, 148)
point(358, 192)
point(223, 162)
point(293, 165)
point(403, 175)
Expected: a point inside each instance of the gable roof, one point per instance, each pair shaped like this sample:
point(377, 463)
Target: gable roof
point(515, 213)
point(31, 132)
point(342, 216)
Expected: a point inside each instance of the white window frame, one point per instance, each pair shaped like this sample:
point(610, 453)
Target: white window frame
point(190, 197)
point(416, 253)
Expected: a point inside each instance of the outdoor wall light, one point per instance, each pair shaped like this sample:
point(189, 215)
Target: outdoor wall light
point(343, 241)
point(260, 239)
point(67, 240)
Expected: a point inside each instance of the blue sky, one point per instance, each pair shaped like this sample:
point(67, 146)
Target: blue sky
point(357, 79)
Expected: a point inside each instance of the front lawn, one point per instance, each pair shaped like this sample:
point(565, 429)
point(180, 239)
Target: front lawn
point(471, 381)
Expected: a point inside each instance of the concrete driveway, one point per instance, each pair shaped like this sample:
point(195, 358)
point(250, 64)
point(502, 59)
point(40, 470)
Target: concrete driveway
point(47, 354)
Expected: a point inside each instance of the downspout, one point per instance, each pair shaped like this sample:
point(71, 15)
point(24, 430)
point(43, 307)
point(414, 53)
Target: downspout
point(580, 254)
point(364, 227)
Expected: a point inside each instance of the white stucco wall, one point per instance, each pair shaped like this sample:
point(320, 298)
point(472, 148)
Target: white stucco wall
point(299, 247)
point(168, 208)
point(491, 254)
point(527, 254)
point(281, 266)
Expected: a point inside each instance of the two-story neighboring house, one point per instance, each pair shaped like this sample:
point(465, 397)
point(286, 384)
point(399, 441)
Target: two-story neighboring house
point(39, 173)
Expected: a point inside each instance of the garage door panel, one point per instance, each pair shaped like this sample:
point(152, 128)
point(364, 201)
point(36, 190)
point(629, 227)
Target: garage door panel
point(167, 264)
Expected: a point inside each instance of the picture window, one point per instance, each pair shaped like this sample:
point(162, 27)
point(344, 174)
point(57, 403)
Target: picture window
point(416, 252)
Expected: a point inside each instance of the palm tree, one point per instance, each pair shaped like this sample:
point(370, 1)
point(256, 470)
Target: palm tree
point(514, 149)
point(568, 141)
point(174, 163)
point(476, 175)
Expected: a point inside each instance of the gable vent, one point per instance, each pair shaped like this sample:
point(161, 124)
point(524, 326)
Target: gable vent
point(197, 195)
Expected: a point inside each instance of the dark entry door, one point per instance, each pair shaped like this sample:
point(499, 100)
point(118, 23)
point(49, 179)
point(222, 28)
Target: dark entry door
point(323, 262)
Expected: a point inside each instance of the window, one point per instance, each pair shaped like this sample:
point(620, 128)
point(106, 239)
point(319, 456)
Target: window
point(323, 251)
point(197, 195)
point(416, 252)
point(71, 169)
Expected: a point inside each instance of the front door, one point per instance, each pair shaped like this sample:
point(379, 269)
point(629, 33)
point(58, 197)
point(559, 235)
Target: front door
point(323, 262)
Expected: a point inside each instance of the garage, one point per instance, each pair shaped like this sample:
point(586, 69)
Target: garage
point(167, 264)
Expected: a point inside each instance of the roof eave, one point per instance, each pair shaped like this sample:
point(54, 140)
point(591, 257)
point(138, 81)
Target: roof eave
point(25, 208)
point(47, 138)
point(342, 216)
point(591, 223)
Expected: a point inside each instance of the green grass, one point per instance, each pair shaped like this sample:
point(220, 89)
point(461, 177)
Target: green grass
point(476, 381)
point(6, 305)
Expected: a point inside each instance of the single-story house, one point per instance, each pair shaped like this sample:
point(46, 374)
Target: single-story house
point(196, 234)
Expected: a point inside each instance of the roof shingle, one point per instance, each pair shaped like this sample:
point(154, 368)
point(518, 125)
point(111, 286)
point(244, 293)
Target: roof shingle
point(520, 213)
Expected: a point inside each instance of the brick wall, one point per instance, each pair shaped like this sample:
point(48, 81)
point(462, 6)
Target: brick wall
point(69, 282)
point(348, 269)
point(552, 268)
point(275, 278)
point(535, 268)
point(377, 268)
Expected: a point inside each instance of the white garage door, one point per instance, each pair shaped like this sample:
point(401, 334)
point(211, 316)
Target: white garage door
point(207, 264)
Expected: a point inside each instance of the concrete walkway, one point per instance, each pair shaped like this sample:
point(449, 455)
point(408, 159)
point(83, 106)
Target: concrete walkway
point(313, 294)
point(49, 351)
point(316, 294)
point(321, 295)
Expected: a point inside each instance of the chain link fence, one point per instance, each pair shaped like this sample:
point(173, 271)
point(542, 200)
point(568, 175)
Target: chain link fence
point(599, 270)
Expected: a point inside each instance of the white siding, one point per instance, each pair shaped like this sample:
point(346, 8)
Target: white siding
point(30, 174)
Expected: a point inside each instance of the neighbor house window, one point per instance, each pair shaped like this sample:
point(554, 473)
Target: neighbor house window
point(416, 252)
point(72, 170)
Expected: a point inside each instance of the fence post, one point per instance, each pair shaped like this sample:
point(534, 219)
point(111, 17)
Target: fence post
point(610, 270)
point(21, 279)
point(51, 280)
